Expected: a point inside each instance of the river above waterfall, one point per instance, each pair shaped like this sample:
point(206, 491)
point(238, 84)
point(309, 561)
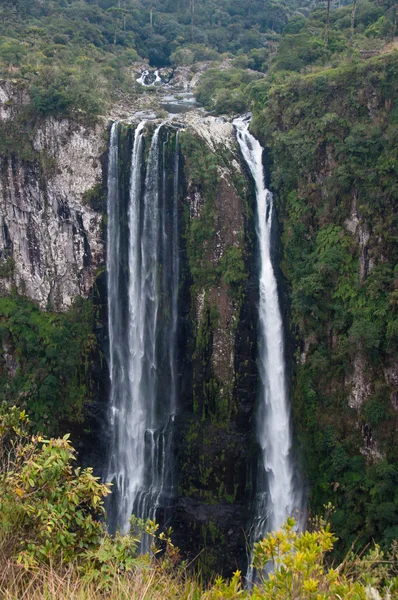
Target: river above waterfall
point(179, 103)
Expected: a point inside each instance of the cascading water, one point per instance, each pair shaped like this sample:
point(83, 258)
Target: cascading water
point(142, 332)
point(276, 496)
point(149, 79)
point(142, 77)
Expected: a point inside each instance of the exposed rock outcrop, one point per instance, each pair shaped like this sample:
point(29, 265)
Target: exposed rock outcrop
point(48, 232)
point(51, 240)
point(218, 447)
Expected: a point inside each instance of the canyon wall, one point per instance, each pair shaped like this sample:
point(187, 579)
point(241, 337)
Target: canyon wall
point(53, 210)
point(50, 236)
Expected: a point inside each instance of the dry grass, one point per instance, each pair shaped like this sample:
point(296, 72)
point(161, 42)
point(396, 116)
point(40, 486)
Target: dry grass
point(16, 583)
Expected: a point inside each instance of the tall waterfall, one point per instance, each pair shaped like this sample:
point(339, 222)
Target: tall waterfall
point(276, 496)
point(143, 319)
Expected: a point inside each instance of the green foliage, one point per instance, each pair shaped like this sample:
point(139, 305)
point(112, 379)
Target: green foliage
point(232, 267)
point(50, 511)
point(65, 59)
point(225, 91)
point(49, 519)
point(301, 47)
point(303, 43)
point(297, 569)
point(63, 92)
point(383, 28)
point(298, 50)
point(191, 54)
point(48, 505)
point(95, 198)
point(54, 354)
point(201, 170)
point(256, 59)
point(74, 56)
point(7, 267)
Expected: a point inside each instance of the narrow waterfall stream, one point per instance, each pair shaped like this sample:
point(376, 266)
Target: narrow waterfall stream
point(142, 329)
point(275, 499)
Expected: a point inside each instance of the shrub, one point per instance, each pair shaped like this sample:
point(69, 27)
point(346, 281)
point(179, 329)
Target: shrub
point(51, 508)
point(297, 562)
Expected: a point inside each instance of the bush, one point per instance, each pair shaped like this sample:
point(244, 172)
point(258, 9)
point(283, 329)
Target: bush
point(48, 507)
point(60, 39)
point(299, 567)
point(192, 53)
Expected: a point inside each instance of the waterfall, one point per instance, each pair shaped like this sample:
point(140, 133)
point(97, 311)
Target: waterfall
point(141, 79)
point(143, 331)
point(276, 498)
point(149, 79)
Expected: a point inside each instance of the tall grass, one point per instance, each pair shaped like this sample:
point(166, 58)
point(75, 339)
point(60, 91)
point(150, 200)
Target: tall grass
point(47, 583)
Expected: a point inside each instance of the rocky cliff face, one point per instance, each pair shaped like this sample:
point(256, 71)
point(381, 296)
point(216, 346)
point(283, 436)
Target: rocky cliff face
point(217, 447)
point(50, 238)
point(52, 201)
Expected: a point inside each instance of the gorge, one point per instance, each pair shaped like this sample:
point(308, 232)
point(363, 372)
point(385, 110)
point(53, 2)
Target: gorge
point(210, 307)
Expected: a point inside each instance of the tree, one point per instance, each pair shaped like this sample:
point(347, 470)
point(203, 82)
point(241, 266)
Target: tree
point(353, 12)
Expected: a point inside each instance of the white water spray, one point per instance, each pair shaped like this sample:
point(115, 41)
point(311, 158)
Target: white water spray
point(142, 79)
point(143, 385)
point(277, 500)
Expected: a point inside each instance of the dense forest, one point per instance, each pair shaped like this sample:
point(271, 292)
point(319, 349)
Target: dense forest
point(320, 80)
point(74, 55)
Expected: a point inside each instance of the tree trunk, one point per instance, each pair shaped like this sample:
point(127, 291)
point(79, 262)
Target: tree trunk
point(192, 6)
point(394, 30)
point(327, 23)
point(354, 10)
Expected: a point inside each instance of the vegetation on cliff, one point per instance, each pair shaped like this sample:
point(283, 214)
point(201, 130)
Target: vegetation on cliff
point(332, 140)
point(327, 114)
point(213, 460)
point(48, 361)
